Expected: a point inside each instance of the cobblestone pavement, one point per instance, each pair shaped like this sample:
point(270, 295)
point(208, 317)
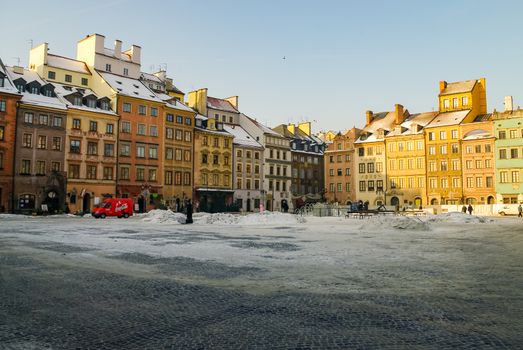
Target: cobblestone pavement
point(58, 295)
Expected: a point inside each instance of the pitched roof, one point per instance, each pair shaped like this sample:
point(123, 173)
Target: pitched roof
point(263, 128)
point(129, 87)
point(421, 119)
point(65, 90)
point(35, 99)
point(172, 102)
point(458, 87)
point(8, 87)
point(448, 118)
point(241, 136)
point(218, 103)
point(483, 118)
point(67, 64)
point(477, 134)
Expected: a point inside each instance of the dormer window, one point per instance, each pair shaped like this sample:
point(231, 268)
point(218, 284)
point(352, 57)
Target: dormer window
point(104, 105)
point(34, 90)
point(1, 81)
point(198, 123)
point(91, 103)
point(125, 71)
point(107, 67)
point(48, 93)
point(77, 101)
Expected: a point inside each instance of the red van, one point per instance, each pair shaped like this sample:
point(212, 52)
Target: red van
point(119, 207)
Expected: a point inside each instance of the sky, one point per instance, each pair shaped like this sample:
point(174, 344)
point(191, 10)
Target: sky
point(295, 60)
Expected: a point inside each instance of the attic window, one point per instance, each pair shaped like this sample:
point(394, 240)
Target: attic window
point(152, 96)
point(1, 81)
point(77, 101)
point(119, 89)
point(136, 86)
point(91, 103)
point(35, 90)
point(136, 93)
point(118, 82)
point(68, 88)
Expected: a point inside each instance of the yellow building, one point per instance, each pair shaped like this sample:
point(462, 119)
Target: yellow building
point(459, 102)
point(212, 166)
point(178, 150)
point(406, 171)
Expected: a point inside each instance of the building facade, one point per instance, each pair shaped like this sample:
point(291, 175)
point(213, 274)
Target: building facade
point(339, 168)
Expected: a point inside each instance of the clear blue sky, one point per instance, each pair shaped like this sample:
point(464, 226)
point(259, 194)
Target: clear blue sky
point(342, 57)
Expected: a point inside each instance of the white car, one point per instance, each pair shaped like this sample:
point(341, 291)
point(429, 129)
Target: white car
point(508, 210)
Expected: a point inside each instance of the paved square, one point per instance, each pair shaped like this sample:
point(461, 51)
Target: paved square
point(328, 283)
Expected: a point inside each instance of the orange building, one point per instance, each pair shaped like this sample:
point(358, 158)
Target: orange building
point(9, 98)
point(479, 185)
point(339, 167)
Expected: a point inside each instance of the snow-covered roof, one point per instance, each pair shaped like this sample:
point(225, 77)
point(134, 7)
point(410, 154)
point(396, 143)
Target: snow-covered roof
point(380, 121)
point(123, 56)
point(263, 128)
point(35, 99)
point(8, 87)
point(241, 136)
point(172, 102)
point(129, 87)
point(448, 118)
point(65, 90)
point(151, 77)
point(67, 63)
point(223, 105)
point(201, 117)
point(477, 134)
point(412, 121)
point(458, 87)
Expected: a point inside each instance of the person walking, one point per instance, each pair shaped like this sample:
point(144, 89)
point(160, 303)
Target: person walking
point(520, 211)
point(470, 209)
point(188, 210)
point(464, 209)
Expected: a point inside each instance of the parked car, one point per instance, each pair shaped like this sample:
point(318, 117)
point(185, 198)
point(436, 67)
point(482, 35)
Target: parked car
point(119, 207)
point(508, 210)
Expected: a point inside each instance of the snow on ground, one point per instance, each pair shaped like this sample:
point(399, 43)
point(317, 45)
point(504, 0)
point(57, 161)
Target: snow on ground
point(159, 216)
point(265, 218)
point(457, 218)
point(377, 223)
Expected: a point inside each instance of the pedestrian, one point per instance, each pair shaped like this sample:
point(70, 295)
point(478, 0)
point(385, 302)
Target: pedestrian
point(366, 206)
point(470, 209)
point(360, 205)
point(520, 211)
point(464, 209)
point(188, 210)
point(178, 209)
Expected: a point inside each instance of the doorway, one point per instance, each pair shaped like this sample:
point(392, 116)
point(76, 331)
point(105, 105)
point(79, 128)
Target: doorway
point(395, 202)
point(86, 203)
point(249, 205)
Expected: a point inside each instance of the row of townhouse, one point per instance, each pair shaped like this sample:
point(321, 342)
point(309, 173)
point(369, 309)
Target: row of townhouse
point(460, 154)
point(74, 131)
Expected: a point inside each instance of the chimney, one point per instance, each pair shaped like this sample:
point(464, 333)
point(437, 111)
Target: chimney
point(18, 69)
point(399, 111)
point(233, 100)
point(370, 117)
point(509, 104)
point(135, 52)
point(442, 85)
point(305, 127)
point(118, 49)
point(162, 75)
point(291, 128)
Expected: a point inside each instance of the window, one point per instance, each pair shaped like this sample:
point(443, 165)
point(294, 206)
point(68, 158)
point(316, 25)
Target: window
point(502, 135)
point(124, 173)
point(179, 119)
point(464, 101)
point(188, 121)
point(108, 173)
point(455, 164)
point(28, 118)
point(85, 82)
point(57, 122)
point(140, 151)
point(169, 117)
point(215, 159)
point(104, 105)
point(153, 152)
point(55, 166)
point(91, 172)
point(468, 164)
point(140, 174)
point(370, 186)
point(127, 107)
point(77, 101)
point(187, 136)
point(331, 187)
point(205, 141)
point(215, 142)
point(169, 153)
point(432, 165)
point(42, 142)
point(361, 151)
point(153, 130)
point(479, 164)
point(109, 128)
point(347, 171)
point(169, 133)
point(109, 149)
point(40, 167)
point(154, 111)
point(362, 168)
point(204, 158)
point(444, 182)
point(76, 124)
point(2, 106)
point(456, 182)
point(454, 103)
point(74, 171)
point(470, 182)
point(432, 150)
point(141, 129)
point(454, 148)
point(126, 127)
point(370, 168)
point(256, 155)
point(51, 75)
point(431, 136)
point(142, 110)
point(419, 163)
point(433, 183)
point(331, 172)
point(515, 176)
point(168, 177)
point(503, 176)
point(443, 149)
point(93, 126)
point(27, 140)
point(479, 182)
point(502, 154)
point(454, 134)
point(152, 174)
point(187, 156)
point(107, 67)
point(442, 135)
point(446, 103)
point(92, 148)
point(363, 186)
point(125, 149)
point(477, 148)
point(178, 134)
point(488, 163)
point(488, 149)
point(489, 181)
point(68, 78)
point(44, 119)
point(126, 71)
point(513, 153)
point(2, 133)
point(513, 134)
point(340, 172)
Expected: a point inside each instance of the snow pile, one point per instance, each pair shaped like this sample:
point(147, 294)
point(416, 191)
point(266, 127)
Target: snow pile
point(270, 218)
point(457, 218)
point(265, 218)
point(380, 222)
point(158, 216)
